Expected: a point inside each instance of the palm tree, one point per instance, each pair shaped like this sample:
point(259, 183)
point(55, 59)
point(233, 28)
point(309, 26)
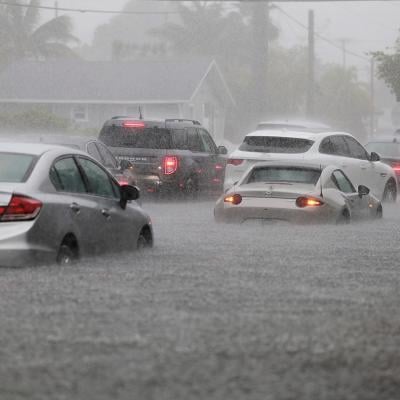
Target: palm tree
point(21, 36)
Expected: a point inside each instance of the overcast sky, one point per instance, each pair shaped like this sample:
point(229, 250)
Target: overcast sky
point(364, 25)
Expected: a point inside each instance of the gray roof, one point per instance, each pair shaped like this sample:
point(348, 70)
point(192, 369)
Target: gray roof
point(76, 80)
point(35, 149)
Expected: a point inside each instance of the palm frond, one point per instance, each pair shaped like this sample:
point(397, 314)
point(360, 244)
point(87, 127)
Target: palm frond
point(31, 17)
point(57, 29)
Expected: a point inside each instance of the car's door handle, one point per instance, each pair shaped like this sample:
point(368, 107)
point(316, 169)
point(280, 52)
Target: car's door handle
point(363, 166)
point(75, 208)
point(344, 165)
point(105, 213)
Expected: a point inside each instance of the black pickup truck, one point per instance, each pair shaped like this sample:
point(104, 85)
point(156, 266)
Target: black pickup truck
point(170, 156)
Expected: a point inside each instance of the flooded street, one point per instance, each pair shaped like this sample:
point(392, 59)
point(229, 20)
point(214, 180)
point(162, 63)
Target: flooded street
point(213, 311)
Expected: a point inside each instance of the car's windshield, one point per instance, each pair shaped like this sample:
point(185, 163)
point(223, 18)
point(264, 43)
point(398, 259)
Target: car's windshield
point(143, 138)
point(284, 174)
point(385, 149)
point(14, 167)
point(274, 144)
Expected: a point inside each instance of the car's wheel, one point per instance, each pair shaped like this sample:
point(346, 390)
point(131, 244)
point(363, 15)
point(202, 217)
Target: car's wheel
point(145, 239)
point(344, 218)
point(378, 213)
point(390, 192)
point(65, 256)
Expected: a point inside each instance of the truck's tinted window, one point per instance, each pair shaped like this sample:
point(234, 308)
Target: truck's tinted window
point(179, 139)
point(144, 138)
point(208, 142)
point(275, 144)
point(194, 142)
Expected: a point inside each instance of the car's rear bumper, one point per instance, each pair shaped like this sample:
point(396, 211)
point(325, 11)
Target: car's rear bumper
point(296, 215)
point(17, 249)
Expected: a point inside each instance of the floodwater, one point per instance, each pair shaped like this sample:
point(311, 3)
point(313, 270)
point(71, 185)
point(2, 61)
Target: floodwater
point(212, 312)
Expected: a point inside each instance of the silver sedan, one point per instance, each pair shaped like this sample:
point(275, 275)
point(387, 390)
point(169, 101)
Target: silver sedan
point(296, 192)
point(59, 204)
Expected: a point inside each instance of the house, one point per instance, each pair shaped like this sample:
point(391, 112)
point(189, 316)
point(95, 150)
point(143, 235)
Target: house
point(88, 93)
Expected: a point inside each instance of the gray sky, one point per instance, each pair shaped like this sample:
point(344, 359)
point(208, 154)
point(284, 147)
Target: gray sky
point(365, 25)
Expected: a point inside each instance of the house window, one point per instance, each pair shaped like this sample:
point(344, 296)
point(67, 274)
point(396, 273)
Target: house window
point(80, 112)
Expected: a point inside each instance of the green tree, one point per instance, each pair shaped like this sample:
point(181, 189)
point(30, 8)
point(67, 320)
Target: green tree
point(22, 35)
point(389, 68)
point(342, 100)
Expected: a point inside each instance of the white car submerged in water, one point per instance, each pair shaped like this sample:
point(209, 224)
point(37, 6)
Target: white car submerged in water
point(319, 146)
point(296, 192)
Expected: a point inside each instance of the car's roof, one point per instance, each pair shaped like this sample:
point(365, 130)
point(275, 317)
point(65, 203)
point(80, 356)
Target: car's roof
point(35, 149)
point(48, 138)
point(293, 124)
point(296, 134)
point(289, 164)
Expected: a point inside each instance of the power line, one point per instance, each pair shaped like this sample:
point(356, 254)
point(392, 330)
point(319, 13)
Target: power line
point(319, 36)
point(87, 10)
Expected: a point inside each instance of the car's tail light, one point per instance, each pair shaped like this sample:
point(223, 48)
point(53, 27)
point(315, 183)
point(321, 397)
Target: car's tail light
point(308, 202)
point(218, 167)
point(396, 168)
point(122, 180)
point(133, 124)
point(234, 161)
point(234, 199)
point(21, 208)
point(170, 165)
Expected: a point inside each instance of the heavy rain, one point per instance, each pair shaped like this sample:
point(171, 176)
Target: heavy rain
point(198, 199)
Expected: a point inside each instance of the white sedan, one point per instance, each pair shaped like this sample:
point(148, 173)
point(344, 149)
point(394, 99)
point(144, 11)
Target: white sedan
point(318, 146)
point(296, 192)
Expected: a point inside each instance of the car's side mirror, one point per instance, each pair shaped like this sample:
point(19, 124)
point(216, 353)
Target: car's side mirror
point(374, 157)
point(128, 192)
point(125, 164)
point(222, 150)
point(362, 190)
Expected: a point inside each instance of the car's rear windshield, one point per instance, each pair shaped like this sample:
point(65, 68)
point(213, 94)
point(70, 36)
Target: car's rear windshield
point(275, 144)
point(143, 138)
point(285, 174)
point(15, 168)
point(385, 149)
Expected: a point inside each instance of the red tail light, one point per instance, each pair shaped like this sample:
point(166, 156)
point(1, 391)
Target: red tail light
point(21, 208)
point(235, 161)
point(396, 168)
point(308, 202)
point(170, 165)
point(218, 167)
point(133, 124)
point(234, 199)
point(122, 180)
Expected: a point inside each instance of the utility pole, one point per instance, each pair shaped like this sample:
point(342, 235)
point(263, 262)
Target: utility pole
point(311, 65)
point(372, 94)
point(260, 58)
point(344, 61)
point(56, 8)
